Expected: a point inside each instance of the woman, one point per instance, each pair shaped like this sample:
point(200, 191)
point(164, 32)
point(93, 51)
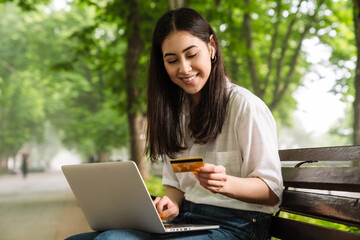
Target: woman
point(195, 111)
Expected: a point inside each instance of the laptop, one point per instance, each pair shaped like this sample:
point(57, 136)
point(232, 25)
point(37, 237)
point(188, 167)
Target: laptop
point(113, 195)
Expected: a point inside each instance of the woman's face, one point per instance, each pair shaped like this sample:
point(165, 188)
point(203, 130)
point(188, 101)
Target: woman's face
point(187, 61)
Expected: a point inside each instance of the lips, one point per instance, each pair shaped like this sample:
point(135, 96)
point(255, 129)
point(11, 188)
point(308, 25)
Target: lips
point(189, 78)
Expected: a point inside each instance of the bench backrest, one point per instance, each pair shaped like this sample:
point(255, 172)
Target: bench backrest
point(322, 183)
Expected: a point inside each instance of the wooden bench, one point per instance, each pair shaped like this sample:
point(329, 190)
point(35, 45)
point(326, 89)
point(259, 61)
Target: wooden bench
point(320, 183)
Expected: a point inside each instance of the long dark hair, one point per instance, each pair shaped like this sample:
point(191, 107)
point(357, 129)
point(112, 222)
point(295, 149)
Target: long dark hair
point(165, 99)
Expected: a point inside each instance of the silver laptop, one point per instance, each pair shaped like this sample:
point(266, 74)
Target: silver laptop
point(114, 196)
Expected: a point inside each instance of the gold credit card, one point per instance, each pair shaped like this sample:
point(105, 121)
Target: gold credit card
point(186, 164)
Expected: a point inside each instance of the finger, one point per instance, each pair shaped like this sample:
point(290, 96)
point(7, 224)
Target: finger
point(161, 204)
point(207, 168)
point(210, 168)
point(219, 169)
point(214, 187)
point(168, 214)
point(162, 215)
point(211, 183)
point(157, 199)
point(212, 176)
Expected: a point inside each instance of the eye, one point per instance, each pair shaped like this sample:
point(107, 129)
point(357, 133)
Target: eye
point(192, 55)
point(170, 60)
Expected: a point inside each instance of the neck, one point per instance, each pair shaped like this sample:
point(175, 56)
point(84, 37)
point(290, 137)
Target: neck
point(195, 98)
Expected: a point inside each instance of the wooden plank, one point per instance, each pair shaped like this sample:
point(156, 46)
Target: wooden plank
point(343, 153)
point(294, 230)
point(344, 210)
point(325, 178)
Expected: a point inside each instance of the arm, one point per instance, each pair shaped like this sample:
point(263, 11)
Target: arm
point(252, 190)
point(168, 206)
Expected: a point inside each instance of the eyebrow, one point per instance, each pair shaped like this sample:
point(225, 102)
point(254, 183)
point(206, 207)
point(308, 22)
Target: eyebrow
point(169, 54)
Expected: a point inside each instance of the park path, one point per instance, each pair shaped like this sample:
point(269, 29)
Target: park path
point(39, 207)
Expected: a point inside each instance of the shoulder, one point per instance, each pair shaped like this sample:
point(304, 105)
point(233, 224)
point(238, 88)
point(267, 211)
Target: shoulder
point(242, 98)
point(246, 110)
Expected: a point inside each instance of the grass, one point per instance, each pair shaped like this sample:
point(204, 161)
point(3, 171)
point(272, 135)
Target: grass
point(155, 187)
point(319, 222)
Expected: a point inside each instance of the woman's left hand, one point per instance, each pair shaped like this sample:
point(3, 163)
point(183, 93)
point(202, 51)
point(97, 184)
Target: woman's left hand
point(251, 189)
point(212, 177)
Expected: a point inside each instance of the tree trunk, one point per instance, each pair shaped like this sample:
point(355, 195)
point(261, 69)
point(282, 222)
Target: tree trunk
point(174, 4)
point(103, 156)
point(3, 164)
point(136, 118)
point(137, 131)
point(249, 52)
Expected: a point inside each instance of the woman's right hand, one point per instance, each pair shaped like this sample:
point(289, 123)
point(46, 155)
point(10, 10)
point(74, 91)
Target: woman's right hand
point(166, 208)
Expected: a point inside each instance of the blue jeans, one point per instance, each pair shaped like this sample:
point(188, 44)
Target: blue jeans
point(234, 224)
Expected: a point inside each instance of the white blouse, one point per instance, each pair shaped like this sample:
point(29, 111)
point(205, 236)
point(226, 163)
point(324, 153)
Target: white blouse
point(246, 147)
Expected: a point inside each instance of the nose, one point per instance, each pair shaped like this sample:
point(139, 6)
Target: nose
point(185, 67)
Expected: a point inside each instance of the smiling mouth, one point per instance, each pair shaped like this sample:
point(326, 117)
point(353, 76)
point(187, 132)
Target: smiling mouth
point(189, 79)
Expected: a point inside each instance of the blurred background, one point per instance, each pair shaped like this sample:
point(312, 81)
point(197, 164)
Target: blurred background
point(73, 88)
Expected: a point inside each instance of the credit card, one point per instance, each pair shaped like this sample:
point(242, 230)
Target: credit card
point(186, 164)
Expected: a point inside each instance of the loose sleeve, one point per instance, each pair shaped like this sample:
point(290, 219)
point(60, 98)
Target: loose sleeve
point(169, 178)
point(256, 134)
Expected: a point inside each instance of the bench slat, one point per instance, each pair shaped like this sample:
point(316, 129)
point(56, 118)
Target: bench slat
point(344, 153)
point(294, 230)
point(307, 200)
point(325, 178)
point(344, 210)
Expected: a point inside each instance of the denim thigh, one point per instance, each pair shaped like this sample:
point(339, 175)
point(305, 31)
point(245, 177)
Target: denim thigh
point(241, 224)
point(234, 224)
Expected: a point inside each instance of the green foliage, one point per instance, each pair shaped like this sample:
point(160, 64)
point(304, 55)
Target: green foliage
point(35, 53)
point(271, 42)
point(91, 123)
point(155, 187)
point(22, 112)
point(111, 18)
point(337, 31)
point(74, 60)
point(22, 103)
point(26, 5)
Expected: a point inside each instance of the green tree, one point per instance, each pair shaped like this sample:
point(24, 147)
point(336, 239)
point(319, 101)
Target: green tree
point(86, 118)
point(22, 113)
point(341, 30)
point(22, 105)
point(100, 52)
point(262, 45)
point(123, 59)
point(78, 103)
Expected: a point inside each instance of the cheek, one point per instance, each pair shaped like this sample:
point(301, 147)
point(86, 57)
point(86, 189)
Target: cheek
point(171, 71)
point(205, 66)
point(203, 61)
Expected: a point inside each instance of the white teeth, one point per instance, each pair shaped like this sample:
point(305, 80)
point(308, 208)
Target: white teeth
point(189, 79)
